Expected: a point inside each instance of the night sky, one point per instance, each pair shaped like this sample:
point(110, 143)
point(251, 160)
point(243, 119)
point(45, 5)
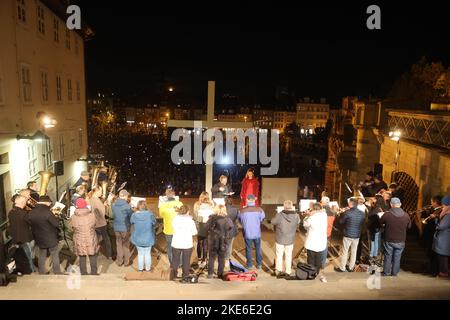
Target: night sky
point(319, 50)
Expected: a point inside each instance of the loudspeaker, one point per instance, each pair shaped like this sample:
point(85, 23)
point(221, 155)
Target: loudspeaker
point(58, 167)
point(378, 168)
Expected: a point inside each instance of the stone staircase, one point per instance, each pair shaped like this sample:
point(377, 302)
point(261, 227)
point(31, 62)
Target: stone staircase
point(414, 257)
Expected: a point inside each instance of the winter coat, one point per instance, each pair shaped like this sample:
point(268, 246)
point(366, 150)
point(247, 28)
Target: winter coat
point(232, 213)
point(316, 225)
point(202, 213)
point(19, 228)
point(373, 223)
point(99, 210)
point(183, 230)
point(144, 229)
point(219, 233)
point(285, 223)
point(396, 222)
point(85, 241)
point(44, 226)
point(353, 221)
point(168, 212)
point(122, 213)
point(216, 193)
point(249, 186)
point(250, 219)
point(441, 242)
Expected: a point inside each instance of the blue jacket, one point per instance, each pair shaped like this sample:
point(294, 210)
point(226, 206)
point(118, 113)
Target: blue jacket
point(353, 221)
point(122, 213)
point(250, 219)
point(144, 229)
point(441, 242)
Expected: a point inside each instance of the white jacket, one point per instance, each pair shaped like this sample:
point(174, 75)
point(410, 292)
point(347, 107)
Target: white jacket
point(316, 225)
point(183, 230)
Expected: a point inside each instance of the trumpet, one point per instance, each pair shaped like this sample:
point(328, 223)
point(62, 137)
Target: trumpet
point(425, 221)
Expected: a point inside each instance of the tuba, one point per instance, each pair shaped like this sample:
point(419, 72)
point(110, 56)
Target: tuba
point(45, 180)
point(104, 186)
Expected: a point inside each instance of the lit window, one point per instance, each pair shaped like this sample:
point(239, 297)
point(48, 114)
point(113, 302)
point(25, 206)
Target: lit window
point(58, 89)
point(69, 90)
point(44, 83)
point(26, 84)
point(48, 153)
point(41, 19)
point(21, 11)
point(32, 160)
point(56, 29)
point(68, 39)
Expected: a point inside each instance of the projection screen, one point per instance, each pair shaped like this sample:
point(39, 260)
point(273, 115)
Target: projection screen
point(277, 190)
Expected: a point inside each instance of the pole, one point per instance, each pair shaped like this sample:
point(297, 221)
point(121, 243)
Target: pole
point(57, 190)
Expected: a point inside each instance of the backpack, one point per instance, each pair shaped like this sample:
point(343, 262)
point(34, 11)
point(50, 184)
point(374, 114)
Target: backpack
point(240, 276)
point(305, 271)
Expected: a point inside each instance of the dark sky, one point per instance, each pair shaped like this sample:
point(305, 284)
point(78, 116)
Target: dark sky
point(320, 50)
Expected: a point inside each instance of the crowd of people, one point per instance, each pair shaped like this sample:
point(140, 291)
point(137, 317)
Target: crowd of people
point(214, 222)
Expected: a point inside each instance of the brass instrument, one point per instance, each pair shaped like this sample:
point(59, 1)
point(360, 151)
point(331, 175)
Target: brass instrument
point(104, 186)
point(95, 176)
point(45, 180)
point(431, 216)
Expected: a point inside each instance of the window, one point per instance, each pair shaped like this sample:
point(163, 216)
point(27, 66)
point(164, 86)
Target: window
point(68, 39)
point(26, 83)
point(32, 160)
point(76, 46)
point(56, 29)
point(80, 137)
point(2, 93)
point(78, 91)
point(69, 90)
point(58, 89)
point(48, 153)
point(41, 20)
point(21, 11)
point(61, 147)
point(44, 82)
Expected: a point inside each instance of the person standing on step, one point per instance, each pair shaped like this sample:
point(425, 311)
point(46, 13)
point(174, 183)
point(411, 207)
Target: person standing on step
point(232, 213)
point(286, 223)
point(441, 242)
point(99, 210)
point(168, 211)
point(122, 213)
point(396, 222)
point(143, 236)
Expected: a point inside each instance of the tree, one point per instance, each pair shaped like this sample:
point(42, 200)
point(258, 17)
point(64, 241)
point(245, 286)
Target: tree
point(420, 84)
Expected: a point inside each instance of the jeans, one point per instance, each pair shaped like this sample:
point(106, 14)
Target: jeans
point(28, 247)
point(285, 250)
point(352, 244)
point(248, 252)
point(229, 253)
point(185, 255)
point(103, 232)
point(315, 259)
point(392, 255)
point(144, 255)
point(54, 254)
point(123, 248)
point(374, 245)
point(202, 248)
point(92, 262)
point(220, 255)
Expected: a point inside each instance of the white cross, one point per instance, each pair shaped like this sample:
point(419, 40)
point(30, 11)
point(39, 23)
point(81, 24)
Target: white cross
point(209, 123)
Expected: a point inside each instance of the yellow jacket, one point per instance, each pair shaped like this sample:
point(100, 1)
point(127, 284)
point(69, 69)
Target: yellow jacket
point(167, 212)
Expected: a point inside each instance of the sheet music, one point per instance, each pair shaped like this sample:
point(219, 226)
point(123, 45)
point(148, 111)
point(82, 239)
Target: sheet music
point(305, 204)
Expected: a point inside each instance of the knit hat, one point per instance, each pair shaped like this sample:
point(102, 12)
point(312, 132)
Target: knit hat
point(81, 203)
point(446, 201)
point(395, 201)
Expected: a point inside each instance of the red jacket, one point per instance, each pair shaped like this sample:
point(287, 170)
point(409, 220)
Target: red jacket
point(249, 186)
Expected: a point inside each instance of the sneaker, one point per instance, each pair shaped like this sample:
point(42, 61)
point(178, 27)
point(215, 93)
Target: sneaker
point(259, 267)
point(349, 270)
point(323, 279)
point(338, 269)
point(210, 276)
point(185, 280)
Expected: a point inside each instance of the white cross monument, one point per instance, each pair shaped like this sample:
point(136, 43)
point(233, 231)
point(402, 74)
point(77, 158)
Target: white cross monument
point(209, 124)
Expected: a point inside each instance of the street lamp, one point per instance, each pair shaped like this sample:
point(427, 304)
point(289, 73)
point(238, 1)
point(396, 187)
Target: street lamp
point(395, 136)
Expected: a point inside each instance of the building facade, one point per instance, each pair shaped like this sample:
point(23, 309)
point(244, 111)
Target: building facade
point(42, 85)
point(283, 118)
point(312, 114)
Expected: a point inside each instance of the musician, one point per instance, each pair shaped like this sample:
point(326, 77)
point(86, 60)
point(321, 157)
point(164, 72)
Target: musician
point(397, 191)
point(396, 222)
point(366, 186)
point(84, 180)
point(353, 221)
point(441, 243)
point(20, 229)
point(378, 184)
point(374, 228)
point(32, 186)
point(222, 189)
point(431, 212)
point(45, 228)
point(99, 210)
point(250, 186)
point(122, 213)
point(331, 216)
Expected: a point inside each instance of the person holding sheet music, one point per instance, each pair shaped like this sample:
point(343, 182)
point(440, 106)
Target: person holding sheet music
point(222, 189)
point(203, 208)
